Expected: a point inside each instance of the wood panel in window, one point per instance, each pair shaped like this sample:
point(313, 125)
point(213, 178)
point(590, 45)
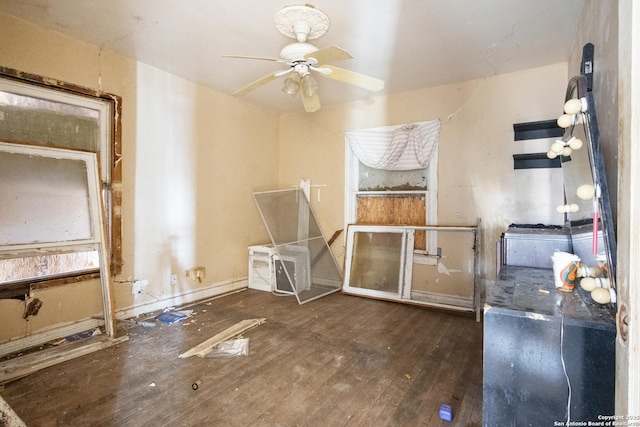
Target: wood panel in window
point(394, 210)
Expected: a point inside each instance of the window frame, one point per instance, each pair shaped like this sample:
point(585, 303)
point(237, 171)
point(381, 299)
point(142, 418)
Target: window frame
point(110, 166)
point(104, 109)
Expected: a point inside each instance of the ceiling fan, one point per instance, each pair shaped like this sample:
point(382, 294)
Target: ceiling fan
point(304, 23)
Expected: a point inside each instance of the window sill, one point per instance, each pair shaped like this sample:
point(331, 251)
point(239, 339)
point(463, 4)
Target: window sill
point(20, 288)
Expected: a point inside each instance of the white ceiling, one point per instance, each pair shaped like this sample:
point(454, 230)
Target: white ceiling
point(410, 44)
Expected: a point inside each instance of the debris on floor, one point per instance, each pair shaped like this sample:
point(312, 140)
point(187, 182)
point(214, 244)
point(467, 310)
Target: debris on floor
point(231, 348)
point(146, 323)
point(79, 336)
point(445, 412)
point(170, 316)
point(207, 346)
point(8, 417)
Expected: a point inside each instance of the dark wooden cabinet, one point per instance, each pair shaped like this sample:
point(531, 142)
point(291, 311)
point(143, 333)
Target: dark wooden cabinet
point(549, 356)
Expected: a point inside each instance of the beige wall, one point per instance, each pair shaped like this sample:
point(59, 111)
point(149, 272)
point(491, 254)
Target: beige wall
point(475, 172)
point(191, 159)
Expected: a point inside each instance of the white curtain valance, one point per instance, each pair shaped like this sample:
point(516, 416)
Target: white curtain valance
point(401, 147)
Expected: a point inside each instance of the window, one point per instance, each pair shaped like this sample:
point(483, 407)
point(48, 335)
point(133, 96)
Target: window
point(68, 119)
point(381, 196)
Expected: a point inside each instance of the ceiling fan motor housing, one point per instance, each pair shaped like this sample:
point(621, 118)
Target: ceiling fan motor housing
point(301, 68)
point(295, 52)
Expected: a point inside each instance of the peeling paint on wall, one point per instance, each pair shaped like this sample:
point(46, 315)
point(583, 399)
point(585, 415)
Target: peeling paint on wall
point(442, 269)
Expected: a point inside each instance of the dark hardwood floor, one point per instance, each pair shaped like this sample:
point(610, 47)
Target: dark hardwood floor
point(339, 360)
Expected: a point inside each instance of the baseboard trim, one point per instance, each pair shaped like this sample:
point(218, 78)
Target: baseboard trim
point(182, 299)
point(443, 300)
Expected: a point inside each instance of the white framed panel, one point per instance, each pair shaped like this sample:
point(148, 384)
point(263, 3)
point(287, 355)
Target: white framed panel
point(304, 264)
point(48, 199)
point(376, 260)
point(380, 263)
point(32, 223)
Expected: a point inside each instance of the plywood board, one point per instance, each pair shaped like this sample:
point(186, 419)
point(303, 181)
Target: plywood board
point(394, 210)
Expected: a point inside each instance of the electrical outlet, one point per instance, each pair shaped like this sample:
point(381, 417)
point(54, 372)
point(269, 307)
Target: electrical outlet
point(174, 279)
point(138, 286)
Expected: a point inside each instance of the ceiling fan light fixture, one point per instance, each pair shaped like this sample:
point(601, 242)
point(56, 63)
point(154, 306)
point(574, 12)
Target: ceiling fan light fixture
point(309, 85)
point(291, 86)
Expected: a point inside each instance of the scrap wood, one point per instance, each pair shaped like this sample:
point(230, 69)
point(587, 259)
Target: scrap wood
point(22, 366)
point(207, 346)
point(8, 417)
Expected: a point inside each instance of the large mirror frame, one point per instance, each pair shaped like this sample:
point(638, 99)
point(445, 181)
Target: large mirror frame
point(588, 168)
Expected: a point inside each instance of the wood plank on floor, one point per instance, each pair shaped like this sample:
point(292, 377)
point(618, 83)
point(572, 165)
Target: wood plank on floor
point(19, 367)
point(338, 360)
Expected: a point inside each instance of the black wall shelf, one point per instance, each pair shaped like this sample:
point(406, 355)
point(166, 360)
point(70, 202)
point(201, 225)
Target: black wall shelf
point(535, 161)
point(537, 130)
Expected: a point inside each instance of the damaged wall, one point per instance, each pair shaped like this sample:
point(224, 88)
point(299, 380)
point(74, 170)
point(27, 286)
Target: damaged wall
point(190, 165)
point(60, 305)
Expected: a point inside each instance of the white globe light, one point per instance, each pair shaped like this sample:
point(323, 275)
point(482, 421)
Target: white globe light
point(586, 191)
point(601, 295)
point(588, 283)
point(557, 146)
point(595, 272)
point(552, 154)
point(565, 120)
point(575, 144)
point(573, 106)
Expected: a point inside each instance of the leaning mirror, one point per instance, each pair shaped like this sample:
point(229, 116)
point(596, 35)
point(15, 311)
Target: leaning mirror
point(587, 205)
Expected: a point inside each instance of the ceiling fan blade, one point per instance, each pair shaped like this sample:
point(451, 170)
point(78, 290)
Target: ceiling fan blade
point(261, 58)
point(329, 54)
point(284, 72)
point(311, 103)
point(256, 84)
point(356, 79)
